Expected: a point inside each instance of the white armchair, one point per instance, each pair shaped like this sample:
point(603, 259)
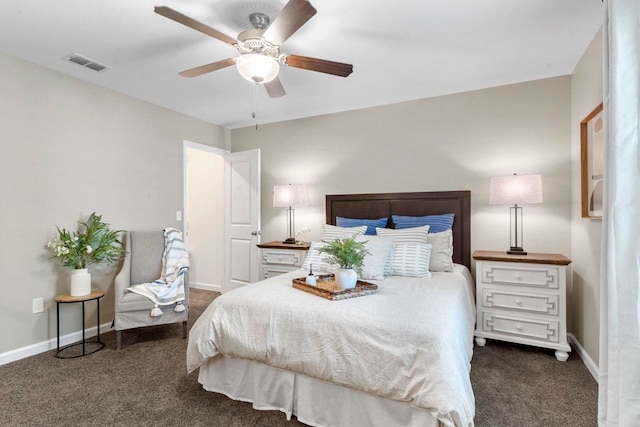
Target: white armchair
point(143, 264)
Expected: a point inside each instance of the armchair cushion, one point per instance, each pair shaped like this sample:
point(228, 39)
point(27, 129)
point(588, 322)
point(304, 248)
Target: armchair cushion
point(146, 249)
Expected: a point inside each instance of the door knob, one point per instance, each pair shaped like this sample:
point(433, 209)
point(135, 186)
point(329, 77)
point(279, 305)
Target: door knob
point(256, 233)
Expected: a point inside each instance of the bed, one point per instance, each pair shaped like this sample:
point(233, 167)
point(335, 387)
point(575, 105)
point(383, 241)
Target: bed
point(400, 357)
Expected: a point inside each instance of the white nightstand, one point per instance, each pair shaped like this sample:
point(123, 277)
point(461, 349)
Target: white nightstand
point(522, 299)
point(278, 258)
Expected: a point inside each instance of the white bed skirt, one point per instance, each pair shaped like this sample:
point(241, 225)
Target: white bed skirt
point(312, 401)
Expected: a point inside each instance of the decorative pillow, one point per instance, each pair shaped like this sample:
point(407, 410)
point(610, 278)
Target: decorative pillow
point(411, 259)
point(319, 260)
point(441, 251)
point(408, 235)
point(438, 223)
point(380, 249)
point(370, 223)
point(332, 232)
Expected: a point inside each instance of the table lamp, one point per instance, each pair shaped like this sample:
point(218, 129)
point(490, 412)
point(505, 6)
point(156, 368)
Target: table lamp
point(515, 190)
point(288, 196)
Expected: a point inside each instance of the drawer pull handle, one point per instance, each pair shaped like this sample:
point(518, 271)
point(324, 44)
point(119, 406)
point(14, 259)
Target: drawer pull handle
point(518, 302)
point(280, 258)
point(518, 277)
point(519, 327)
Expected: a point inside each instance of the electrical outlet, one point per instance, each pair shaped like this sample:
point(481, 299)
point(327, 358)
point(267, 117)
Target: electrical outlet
point(178, 215)
point(38, 305)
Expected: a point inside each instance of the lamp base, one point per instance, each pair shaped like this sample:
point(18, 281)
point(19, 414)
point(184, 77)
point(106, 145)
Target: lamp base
point(514, 250)
point(290, 241)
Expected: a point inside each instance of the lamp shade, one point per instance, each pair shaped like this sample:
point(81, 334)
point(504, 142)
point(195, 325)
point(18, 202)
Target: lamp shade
point(257, 68)
point(515, 189)
point(290, 195)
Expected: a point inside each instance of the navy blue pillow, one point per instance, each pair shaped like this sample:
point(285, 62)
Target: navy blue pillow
point(370, 223)
point(436, 223)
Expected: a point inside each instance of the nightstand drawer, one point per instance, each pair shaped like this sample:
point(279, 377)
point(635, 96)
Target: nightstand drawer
point(283, 257)
point(269, 271)
point(520, 275)
point(528, 328)
point(532, 302)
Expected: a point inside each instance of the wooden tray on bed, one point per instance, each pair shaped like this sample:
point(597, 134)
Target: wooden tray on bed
point(326, 288)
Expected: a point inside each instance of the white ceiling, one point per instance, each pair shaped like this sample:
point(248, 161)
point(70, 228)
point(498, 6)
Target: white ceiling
point(400, 50)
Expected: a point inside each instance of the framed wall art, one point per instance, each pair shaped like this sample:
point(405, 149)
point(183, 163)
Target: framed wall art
point(591, 163)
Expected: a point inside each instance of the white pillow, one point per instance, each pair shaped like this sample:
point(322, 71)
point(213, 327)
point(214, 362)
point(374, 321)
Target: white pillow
point(380, 249)
point(332, 232)
point(405, 235)
point(441, 251)
point(411, 259)
point(319, 260)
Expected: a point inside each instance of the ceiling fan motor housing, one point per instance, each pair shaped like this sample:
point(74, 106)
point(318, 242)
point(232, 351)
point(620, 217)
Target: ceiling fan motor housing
point(251, 41)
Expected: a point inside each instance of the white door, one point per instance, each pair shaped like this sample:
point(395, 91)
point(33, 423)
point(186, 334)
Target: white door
point(242, 218)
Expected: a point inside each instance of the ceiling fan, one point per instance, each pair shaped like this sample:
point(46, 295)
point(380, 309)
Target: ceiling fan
point(259, 48)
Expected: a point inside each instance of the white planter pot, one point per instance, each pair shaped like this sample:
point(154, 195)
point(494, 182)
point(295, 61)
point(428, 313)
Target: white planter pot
point(346, 278)
point(80, 282)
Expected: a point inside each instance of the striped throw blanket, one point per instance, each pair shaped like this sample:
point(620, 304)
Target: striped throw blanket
point(169, 288)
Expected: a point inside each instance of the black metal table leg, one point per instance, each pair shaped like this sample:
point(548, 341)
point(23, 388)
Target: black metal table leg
point(58, 327)
point(83, 340)
point(98, 323)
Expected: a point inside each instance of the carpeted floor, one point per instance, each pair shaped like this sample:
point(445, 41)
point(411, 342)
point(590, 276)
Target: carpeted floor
point(145, 384)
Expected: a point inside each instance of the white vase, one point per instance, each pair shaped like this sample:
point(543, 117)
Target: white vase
point(80, 282)
point(346, 278)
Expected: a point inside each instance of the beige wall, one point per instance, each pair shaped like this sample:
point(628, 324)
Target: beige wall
point(69, 148)
point(586, 94)
point(453, 142)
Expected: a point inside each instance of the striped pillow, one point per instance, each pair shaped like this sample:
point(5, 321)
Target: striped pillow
point(408, 235)
point(411, 259)
point(438, 223)
point(331, 232)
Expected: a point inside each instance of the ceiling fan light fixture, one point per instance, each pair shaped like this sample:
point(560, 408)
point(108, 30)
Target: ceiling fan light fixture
point(257, 68)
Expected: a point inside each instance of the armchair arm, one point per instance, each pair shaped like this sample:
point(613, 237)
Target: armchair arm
point(186, 287)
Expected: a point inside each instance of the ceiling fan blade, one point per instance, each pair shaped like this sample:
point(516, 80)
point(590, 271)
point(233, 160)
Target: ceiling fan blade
point(167, 12)
point(274, 88)
point(207, 68)
point(293, 16)
point(319, 65)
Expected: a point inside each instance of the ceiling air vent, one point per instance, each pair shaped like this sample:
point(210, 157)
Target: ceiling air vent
point(85, 62)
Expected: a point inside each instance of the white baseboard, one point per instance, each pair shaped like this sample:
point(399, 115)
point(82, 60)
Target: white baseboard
point(205, 286)
point(586, 359)
point(41, 347)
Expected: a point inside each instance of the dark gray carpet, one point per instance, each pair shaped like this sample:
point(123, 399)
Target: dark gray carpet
point(146, 384)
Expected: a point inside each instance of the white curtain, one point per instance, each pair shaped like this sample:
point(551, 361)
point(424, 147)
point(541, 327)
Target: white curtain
point(619, 382)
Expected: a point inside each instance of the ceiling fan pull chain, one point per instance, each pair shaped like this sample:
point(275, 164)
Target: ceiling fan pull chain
point(255, 103)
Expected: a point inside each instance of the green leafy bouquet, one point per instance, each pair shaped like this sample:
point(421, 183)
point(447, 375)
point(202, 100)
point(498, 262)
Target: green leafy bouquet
point(347, 253)
point(97, 243)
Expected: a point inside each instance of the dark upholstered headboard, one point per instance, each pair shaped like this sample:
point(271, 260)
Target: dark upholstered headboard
point(374, 206)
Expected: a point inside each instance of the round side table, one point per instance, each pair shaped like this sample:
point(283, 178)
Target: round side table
point(68, 299)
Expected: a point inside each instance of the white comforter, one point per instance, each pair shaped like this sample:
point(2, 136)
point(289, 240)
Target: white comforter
point(412, 341)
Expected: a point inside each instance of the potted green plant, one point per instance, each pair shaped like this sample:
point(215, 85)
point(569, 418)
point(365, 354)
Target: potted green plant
point(78, 249)
point(348, 254)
